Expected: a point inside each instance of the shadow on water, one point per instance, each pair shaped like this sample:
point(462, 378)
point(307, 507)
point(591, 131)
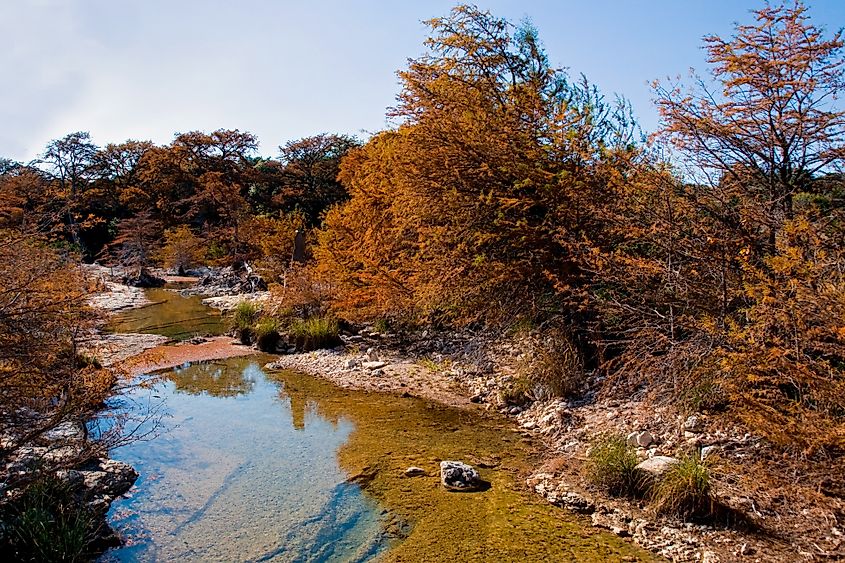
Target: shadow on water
point(260, 466)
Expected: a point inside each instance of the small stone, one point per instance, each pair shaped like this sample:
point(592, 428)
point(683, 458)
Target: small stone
point(644, 439)
point(515, 410)
point(694, 424)
point(640, 439)
point(377, 373)
point(373, 365)
point(415, 472)
point(351, 363)
point(747, 550)
point(576, 503)
point(707, 451)
point(476, 399)
point(657, 465)
point(371, 355)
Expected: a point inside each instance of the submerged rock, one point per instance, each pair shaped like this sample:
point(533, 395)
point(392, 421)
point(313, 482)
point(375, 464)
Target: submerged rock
point(415, 472)
point(458, 476)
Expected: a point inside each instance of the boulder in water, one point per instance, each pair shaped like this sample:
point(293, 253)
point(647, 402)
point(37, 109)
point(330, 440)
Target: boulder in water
point(458, 476)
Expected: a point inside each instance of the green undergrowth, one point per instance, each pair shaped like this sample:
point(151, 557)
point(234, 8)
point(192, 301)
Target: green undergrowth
point(683, 491)
point(314, 333)
point(266, 333)
point(612, 466)
point(46, 524)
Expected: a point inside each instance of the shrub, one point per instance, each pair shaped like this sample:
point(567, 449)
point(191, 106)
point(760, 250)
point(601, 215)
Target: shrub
point(381, 326)
point(315, 332)
point(266, 333)
point(517, 392)
point(246, 313)
point(612, 466)
point(556, 365)
point(47, 524)
point(704, 396)
point(684, 490)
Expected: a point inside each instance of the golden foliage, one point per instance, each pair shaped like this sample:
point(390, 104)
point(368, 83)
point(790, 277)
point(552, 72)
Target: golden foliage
point(43, 313)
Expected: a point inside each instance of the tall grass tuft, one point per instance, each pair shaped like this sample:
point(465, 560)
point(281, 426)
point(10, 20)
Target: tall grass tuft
point(47, 524)
point(556, 365)
point(315, 332)
point(267, 335)
point(246, 313)
point(684, 490)
point(612, 466)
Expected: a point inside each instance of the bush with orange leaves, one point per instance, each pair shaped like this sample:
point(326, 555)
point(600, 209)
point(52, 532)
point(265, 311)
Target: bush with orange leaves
point(44, 380)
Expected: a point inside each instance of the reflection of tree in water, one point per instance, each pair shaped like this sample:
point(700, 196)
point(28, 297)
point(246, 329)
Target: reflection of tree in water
point(304, 398)
point(216, 379)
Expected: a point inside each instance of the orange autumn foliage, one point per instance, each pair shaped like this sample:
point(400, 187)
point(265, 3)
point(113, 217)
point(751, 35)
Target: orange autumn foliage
point(707, 275)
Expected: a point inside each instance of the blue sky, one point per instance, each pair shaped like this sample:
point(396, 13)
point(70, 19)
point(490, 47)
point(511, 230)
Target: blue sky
point(284, 70)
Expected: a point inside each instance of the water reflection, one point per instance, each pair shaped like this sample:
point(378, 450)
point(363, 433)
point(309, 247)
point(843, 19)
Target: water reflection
point(217, 379)
point(283, 466)
point(240, 475)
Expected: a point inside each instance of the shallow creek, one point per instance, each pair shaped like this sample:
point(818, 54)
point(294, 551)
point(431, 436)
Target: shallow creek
point(257, 465)
point(171, 315)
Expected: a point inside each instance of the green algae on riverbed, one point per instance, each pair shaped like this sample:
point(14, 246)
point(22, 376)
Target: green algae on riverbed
point(506, 522)
point(261, 465)
point(172, 315)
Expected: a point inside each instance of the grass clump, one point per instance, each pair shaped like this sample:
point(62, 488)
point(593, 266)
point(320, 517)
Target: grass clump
point(246, 314)
point(266, 332)
point(46, 524)
point(684, 490)
point(314, 333)
point(612, 466)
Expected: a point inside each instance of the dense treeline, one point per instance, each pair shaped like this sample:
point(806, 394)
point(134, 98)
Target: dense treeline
point(207, 194)
point(205, 198)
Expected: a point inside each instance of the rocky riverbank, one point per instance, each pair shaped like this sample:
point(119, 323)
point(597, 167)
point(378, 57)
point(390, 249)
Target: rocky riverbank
point(466, 369)
point(94, 482)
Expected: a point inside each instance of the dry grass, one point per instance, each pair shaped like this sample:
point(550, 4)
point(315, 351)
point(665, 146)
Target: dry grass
point(556, 365)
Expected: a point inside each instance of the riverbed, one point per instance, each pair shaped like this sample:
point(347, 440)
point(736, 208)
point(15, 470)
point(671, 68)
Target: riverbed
point(252, 464)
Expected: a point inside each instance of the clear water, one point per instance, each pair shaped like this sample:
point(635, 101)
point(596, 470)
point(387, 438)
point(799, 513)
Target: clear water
point(255, 466)
point(172, 315)
point(237, 475)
